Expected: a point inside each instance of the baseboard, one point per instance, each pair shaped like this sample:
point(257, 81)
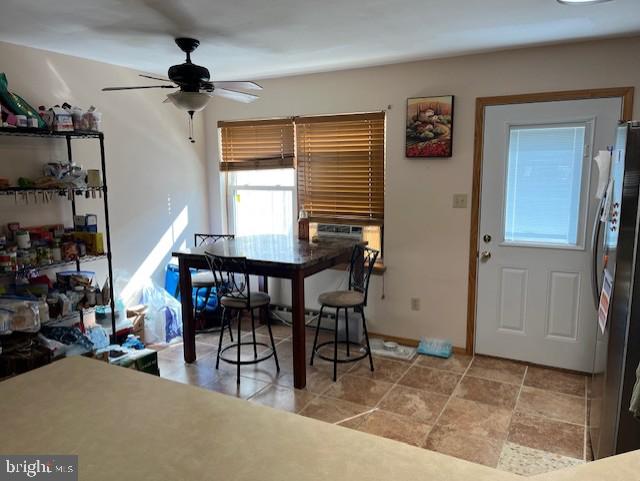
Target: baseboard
point(400, 340)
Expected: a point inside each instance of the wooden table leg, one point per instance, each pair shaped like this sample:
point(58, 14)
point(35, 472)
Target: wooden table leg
point(188, 324)
point(299, 355)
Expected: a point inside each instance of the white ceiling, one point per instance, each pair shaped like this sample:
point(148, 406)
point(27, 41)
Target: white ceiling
point(247, 39)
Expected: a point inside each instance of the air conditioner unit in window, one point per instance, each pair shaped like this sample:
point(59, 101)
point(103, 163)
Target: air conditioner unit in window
point(340, 230)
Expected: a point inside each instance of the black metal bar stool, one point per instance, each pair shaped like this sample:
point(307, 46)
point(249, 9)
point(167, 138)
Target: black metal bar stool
point(204, 279)
point(360, 268)
point(232, 281)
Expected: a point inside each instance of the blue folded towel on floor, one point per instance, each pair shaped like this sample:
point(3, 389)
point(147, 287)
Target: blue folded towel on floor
point(435, 347)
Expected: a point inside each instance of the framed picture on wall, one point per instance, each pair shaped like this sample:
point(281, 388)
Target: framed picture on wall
point(429, 126)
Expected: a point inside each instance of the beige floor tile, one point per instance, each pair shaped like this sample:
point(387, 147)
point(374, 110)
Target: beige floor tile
point(279, 330)
point(384, 369)
point(548, 435)
point(463, 445)
point(423, 406)
point(176, 351)
point(497, 369)
point(227, 384)
point(476, 418)
point(282, 398)
point(200, 373)
point(496, 393)
point(435, 380)
point(456, 363)
point(319, 377)
point(555, 380)
point(332, 410)
point(359, 390)
point(538, 402)
point(393, 426)
point(530, 462)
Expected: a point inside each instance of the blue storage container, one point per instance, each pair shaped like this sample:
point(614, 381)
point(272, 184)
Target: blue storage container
point(172, 285)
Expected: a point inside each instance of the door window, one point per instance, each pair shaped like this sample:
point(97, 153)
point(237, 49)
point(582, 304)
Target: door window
point(546, 172)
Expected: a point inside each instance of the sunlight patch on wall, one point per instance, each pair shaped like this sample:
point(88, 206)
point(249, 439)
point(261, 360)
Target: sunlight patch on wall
point(158, 254)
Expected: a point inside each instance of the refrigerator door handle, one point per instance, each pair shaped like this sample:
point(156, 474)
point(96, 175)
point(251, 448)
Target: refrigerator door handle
point(595, 235)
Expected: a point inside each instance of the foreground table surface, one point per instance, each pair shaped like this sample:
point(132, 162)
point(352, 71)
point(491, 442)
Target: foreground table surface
point(132, 426)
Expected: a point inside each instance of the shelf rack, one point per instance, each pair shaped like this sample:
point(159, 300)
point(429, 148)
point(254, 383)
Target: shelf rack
point(69, 136)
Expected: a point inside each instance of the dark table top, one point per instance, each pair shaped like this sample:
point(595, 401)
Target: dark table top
point(274, 250)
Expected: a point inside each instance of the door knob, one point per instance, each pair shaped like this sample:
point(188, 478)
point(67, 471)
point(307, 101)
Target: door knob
point(485, 255)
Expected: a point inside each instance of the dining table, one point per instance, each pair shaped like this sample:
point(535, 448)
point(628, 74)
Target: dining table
point(278, 256)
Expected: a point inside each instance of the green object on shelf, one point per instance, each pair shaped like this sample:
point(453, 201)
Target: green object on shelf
point(17, 104)
point(25, 183)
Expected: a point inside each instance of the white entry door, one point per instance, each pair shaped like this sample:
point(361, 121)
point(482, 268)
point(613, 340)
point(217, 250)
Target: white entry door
point(534, 299)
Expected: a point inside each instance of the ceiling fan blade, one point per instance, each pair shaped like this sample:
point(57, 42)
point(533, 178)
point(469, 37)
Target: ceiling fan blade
point(109, 89)
point(244, 85)
point(155, 78)
point(235, 95)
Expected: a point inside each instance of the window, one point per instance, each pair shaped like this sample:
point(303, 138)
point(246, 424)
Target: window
point(257, 157)
point(261, 201)
point(546, 172)
point(256, 144)
point(340, 164)
point(339, 176)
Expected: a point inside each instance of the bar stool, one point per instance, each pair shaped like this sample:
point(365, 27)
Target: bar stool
point(231, 276)
point(203, 279)
point(360, 268)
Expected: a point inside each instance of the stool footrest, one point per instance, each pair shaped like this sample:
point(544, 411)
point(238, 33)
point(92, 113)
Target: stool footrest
point(342, 360)
point(270, 353)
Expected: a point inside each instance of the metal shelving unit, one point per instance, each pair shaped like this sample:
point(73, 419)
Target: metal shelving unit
point(71, 194)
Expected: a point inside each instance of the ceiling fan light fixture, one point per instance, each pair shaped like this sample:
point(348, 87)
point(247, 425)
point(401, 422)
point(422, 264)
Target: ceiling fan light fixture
point(582, 2)
point(189, 101)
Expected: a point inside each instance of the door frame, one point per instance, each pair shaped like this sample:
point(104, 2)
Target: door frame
point(625, 93)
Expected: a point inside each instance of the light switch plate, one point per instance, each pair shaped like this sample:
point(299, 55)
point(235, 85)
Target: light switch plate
point(459, 201)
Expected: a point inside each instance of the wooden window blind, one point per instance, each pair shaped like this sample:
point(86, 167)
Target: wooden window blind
point(257, 144)
point(340, 167)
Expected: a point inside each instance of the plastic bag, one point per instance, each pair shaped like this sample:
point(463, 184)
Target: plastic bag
point(163, 321)
point(24, 314)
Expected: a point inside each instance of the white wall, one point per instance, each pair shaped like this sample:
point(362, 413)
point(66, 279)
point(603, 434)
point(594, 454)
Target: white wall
point(157, 179)
point(426, 240)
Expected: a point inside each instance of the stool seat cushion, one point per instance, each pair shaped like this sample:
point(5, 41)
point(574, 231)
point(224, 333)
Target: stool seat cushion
point(341, 299)
point(258, 299)
point(203, 279)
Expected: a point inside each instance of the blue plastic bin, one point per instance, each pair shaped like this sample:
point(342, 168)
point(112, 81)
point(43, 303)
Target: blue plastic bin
point(172, 283)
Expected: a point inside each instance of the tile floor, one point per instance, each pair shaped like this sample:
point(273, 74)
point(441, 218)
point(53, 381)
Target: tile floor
point(518, 418)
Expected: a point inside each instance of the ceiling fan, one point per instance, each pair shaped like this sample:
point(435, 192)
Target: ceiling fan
point(194, 84)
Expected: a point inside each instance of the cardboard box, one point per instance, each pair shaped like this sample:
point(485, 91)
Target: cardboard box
point(144, 360)
point(58, 119)
point(136, 315)
point(93, 240)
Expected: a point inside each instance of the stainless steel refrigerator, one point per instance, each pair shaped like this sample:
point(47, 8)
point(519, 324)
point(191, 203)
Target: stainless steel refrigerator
point(612, 428)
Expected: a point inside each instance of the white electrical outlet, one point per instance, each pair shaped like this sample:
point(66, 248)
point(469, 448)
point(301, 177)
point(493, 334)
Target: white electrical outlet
point(459, 201)
point(415, 304)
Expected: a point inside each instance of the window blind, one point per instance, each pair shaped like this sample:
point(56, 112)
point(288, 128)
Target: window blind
point(257, 144)
point(340, 167)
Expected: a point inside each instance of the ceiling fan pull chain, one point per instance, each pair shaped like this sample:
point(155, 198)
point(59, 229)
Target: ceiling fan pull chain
point(193, 141)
